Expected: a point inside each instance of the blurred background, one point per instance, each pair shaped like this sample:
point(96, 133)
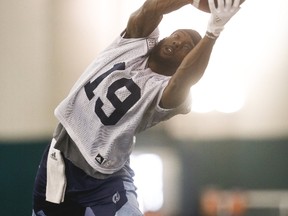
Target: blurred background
point(229, 156)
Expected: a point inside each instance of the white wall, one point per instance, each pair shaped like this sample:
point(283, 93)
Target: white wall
point(24, 69)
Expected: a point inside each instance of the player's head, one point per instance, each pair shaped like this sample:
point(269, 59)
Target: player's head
point(170, 51)
point(194, 35)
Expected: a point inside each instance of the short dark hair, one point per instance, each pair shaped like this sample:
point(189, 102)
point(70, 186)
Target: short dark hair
point(195, 36)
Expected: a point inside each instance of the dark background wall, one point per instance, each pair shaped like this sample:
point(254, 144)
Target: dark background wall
point(245, 164)
point(234, 164)
point(18, 165)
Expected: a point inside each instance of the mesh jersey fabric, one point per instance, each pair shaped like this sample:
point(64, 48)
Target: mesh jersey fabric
point(70, 151)
point(115, 98)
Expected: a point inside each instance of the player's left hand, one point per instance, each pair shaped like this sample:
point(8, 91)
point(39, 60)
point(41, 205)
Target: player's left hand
point(221, 15)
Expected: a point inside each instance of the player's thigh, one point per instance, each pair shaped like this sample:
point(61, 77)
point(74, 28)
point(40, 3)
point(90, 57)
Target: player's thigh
point(44, 208)
point(130, 208)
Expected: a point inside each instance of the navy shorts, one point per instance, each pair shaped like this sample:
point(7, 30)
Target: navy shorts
point(85, 195)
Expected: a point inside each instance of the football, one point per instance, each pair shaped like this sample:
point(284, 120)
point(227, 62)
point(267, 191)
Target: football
point(203, 5)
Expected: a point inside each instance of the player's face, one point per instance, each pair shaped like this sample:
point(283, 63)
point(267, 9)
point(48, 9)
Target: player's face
point(171, 50)
point(177, 45)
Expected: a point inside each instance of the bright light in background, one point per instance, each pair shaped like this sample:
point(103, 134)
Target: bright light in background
point(217, 91)
point(211, 97)
point(148, 180)
point(187, 17)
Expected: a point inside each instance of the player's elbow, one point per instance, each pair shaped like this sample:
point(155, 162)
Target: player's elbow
point(174, 94)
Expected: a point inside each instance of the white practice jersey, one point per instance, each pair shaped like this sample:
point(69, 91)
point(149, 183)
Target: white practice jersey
point(114, 99)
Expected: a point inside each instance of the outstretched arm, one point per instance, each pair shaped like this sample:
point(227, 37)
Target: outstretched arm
point(188, 73)
point(194, 64)
point(144, 20)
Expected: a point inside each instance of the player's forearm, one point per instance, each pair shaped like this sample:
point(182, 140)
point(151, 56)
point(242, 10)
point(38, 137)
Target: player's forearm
point(165, 6)
point(195, 63)
point(143, 21)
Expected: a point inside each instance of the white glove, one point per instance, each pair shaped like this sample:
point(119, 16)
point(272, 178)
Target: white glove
point(221, 15)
